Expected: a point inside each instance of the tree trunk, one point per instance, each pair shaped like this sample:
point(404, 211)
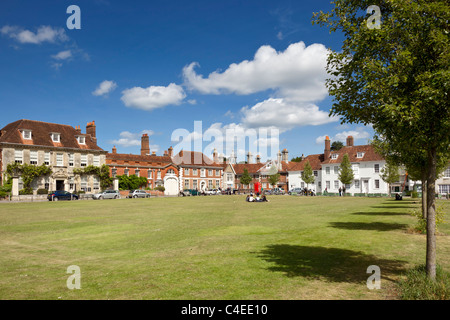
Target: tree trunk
point(424, 196)
point(431, 215)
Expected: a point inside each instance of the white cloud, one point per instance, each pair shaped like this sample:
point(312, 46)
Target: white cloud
point(104, 88)
point(298, 74)
point(153, 97)
point(63, 55)
point(129, 139)
point(358, 134)
point(284, 115)
point(43, 34)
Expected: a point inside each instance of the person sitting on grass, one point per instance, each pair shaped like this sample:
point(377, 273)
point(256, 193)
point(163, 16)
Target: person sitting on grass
point(251, 199)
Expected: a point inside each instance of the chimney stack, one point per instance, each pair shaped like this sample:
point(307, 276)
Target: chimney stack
point(258, 158)
point(350, 141)
point(78, 129)
point(145, 145)
point(285, 156)
point(249, 157)
point(215, 156)
point(114, 149)
point(170, 151)
point(327, 151)
point(90, 129)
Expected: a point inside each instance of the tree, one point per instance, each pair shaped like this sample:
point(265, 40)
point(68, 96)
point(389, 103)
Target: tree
point(396, 78)
point(336, 145)
point(297, 159)
point(307, 175)
point(390, 174)
point(245, 178)
point(274, 178)
point(131, 182)
point(345, 175)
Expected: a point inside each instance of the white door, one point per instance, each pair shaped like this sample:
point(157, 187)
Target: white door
point(366, 186)
point(171, 187)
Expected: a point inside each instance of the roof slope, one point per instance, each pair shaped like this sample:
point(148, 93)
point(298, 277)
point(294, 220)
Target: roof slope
point(40, 135)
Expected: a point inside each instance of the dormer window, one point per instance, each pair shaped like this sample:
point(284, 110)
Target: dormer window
point(56, 137)
point(81, 139)
point(334, 156)
point(360, 154)
point(26, 134)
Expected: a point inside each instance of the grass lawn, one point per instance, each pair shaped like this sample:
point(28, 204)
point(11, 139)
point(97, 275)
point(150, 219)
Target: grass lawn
point(217, 247)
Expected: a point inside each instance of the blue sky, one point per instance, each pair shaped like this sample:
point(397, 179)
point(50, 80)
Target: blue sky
point(158, 66)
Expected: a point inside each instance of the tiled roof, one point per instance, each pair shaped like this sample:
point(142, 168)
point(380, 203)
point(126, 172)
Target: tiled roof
point(368, 150)
point(315, 160)
point(138, 158)
point(40, 134)
point(251, 167)
point(194, 158)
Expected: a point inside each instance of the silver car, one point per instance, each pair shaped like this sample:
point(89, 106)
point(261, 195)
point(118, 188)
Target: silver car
point(107, 194)
point(138, 194)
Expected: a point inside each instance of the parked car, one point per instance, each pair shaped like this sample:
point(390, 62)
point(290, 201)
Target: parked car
point(61, 195)
point(277, 191)
point(209, 192)
point(138, 194)
point(295, 191)
point(107, 194)
point(185, 193)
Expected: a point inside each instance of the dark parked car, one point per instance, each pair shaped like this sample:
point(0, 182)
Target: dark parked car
point(61, 195)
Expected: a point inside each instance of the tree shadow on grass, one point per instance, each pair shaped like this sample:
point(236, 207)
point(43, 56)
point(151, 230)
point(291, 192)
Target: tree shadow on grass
point(332, 264)
point(385, 213)
point(379, 226)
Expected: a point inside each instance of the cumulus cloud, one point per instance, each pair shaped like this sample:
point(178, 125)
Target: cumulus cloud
point(42, 34)
point(358, 134)
point(284, 115)
point(297, 73)
point(104, 88)
point(129, 139)
point(63, 55)
point(153, 97)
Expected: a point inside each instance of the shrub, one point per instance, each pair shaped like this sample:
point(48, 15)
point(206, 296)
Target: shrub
point(414, 194)
point(3, 194)
point(42, 191)
point(160, 188)
point(417, 285)
point(421, 225)
point(26, 191)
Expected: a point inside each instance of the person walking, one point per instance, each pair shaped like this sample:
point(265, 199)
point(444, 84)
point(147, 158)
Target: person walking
point(340, 191)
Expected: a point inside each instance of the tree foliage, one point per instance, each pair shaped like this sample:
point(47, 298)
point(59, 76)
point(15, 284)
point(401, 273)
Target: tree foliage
point(29, 173)
point(345, 175)
point(307, 174)
point(245, 178)
point(396, 78)
point(131, 182)
point(101, 172)
point(336, 145)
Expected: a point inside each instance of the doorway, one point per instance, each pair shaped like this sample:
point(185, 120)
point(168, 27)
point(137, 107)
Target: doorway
point(59, 185)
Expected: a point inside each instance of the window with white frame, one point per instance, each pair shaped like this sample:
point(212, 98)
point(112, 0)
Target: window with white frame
point(327, 170)
point(26, 134)
point(447, 173)
point(202, 173)
point(217, 183)
point(355, 168)
point(377, 184)
point(444, 188)
point(56, 137)
point(210, 184)
point(150, 174)
point(126, 172)
point(230, 177)
point(316, 173)
point(137, 173)
point(360, 154)
point(302, 184)
point(210, 173)
point(186, 171)
point(194, 184)
point(327, 184)
point(18, 156)
point(336, 169)
point(84, 183)
point(33, 157)
point(357, 184)
point(264, 185)
point(59, 159)
point(96, 183)
point(47, 158)
point(194, 172)
point(376, 168)
point(71, 160)
point(170, 171)
point(217, 173)
point(81, 139)
point(186, 184)
point(97, 161)
point(336, 184)
point(71, 183)
point(158, 175)
point(84, 160)
point(334, 156)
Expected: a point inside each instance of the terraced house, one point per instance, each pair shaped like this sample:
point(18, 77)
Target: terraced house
point(61, 147)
